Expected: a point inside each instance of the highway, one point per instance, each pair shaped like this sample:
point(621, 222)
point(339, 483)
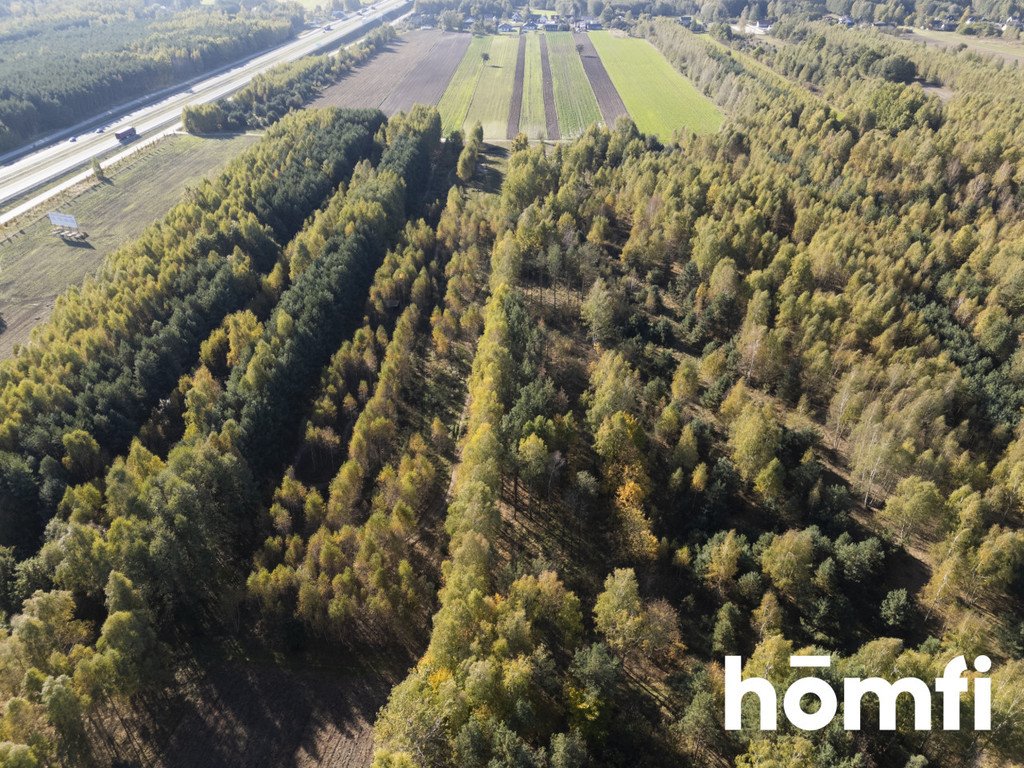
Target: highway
point(31, 171)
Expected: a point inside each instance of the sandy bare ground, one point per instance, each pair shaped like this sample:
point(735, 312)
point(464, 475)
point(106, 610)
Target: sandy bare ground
point(608, 98)
point(550, 112)
point(415, 69)
point(515, 110)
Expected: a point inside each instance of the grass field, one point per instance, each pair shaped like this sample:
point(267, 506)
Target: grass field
point(574, 97)
point(454, 104)
point(659, 99)
point(494, 88)
point(481, 91)
point(991, 46)
point(532, 121)
point(36, 266)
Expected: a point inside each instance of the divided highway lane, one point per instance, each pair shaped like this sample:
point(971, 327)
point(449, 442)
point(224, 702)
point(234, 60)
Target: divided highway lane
point(38, 168)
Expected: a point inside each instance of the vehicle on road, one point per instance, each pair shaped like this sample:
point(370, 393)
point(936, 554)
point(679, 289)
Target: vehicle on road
point(72, 140)
point(127, 134)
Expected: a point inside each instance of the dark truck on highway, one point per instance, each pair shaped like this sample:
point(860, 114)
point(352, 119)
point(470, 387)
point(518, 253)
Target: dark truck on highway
point(126, 135)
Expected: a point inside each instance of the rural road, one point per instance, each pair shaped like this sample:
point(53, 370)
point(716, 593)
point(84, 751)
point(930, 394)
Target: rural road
point(31, 171)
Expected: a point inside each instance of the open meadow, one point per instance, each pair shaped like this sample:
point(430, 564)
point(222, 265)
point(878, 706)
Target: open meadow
point(495, 82)
point(37, 266)
point(532, 121)
point(1008, 50)
point(454, 103)
point(659, 99)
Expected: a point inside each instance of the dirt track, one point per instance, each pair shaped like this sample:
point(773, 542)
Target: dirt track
point(608, 98)
point(515, 108)
point(413, 70)
point(550, 112)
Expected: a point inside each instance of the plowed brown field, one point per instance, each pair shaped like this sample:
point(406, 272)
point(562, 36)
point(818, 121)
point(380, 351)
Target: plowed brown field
point(608, 97)
point(550, 112)
point(415, 69)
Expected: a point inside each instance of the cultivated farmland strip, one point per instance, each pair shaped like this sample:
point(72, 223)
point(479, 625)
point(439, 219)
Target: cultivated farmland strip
point(458, 96)
point(550, 113)
point(531, 121)
point(574, 97)
point(427, 81)
point(660, 100)
point(372, 83)
point(516, 105)
point(612, 107)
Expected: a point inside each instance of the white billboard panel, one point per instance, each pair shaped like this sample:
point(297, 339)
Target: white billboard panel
point(65, 220)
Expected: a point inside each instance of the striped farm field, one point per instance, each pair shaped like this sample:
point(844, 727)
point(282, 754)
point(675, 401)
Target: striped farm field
point(495, 80)
point(553, 85)
point(659, 99)
point(574, 97)
point(531, 121)
point(458, 96)
point(455, 102)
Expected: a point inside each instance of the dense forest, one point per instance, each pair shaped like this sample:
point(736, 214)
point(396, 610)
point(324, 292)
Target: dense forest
point(563, 439)
point(68, 63)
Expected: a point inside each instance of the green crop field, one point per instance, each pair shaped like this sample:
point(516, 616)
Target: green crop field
point(493, 95)
point(454, 104)
point(532, 121)
point(574, 97)
point(659, 99)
